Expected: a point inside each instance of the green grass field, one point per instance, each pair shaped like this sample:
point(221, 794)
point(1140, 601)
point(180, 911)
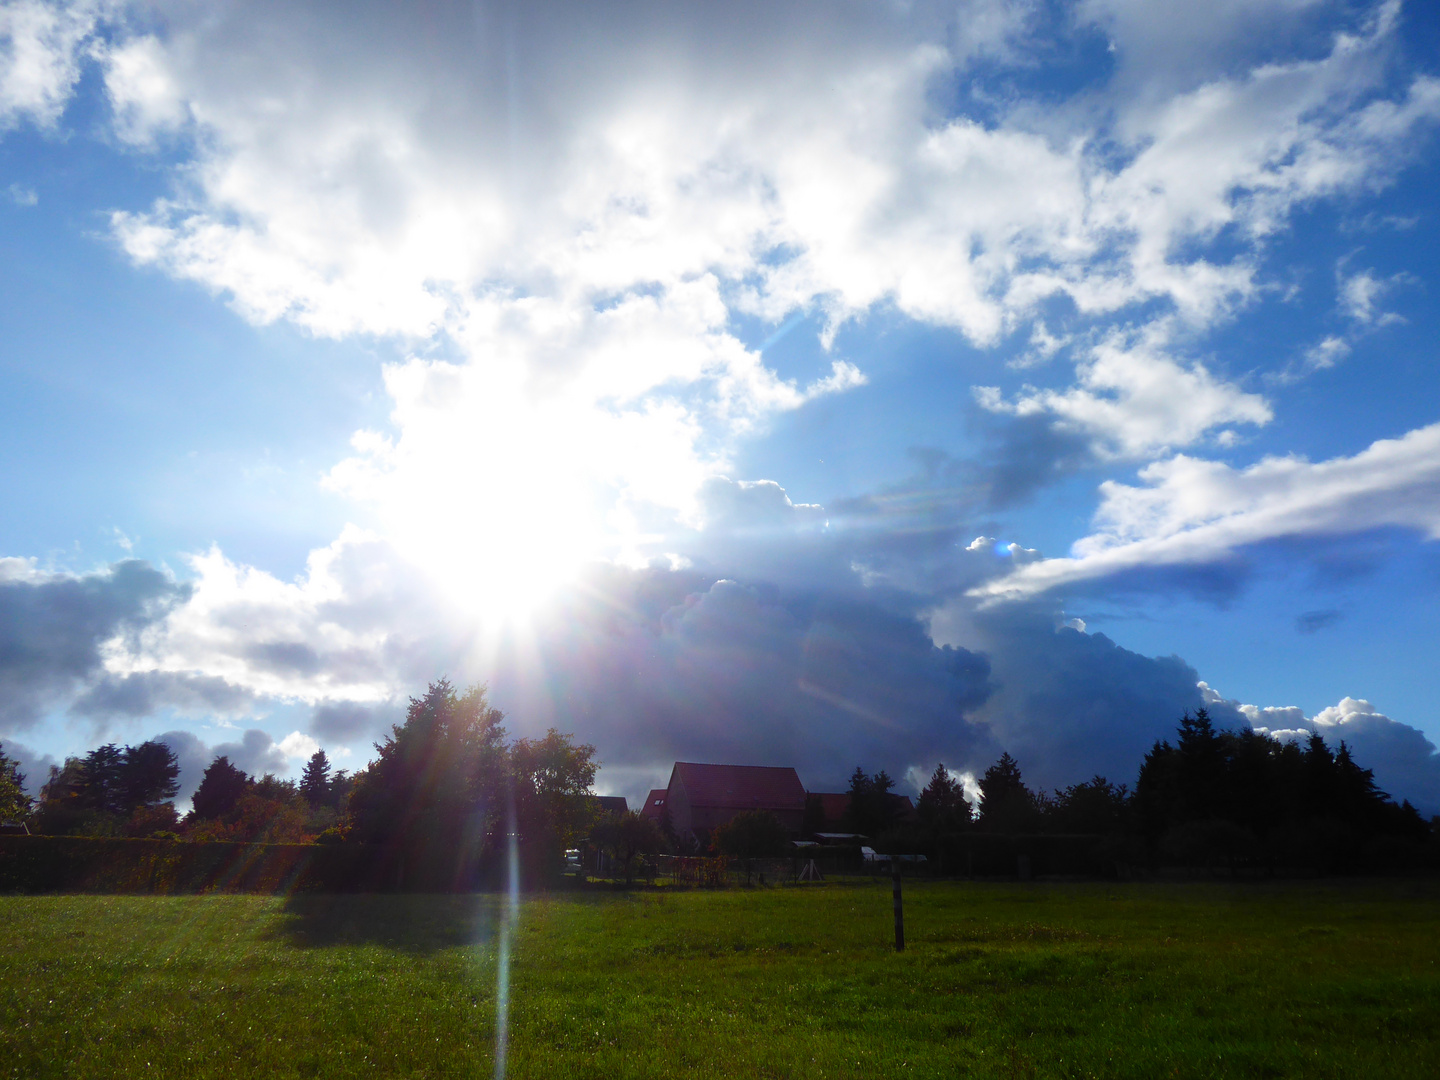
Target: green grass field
point(998, 980)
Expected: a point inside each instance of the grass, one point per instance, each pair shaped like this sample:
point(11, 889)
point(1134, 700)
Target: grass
point(998, 981)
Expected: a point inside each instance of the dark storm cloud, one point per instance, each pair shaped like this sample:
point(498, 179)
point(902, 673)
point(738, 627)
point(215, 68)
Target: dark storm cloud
point(1068, 704)
point(52, 627)
point(652, 667)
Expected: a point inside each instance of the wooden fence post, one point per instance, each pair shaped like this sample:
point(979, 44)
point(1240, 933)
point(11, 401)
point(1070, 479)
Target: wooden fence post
point(899, 908)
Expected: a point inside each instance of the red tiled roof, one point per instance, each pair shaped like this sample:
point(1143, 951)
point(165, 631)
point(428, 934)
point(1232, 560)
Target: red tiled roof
point(741, 787)
point(654, 803)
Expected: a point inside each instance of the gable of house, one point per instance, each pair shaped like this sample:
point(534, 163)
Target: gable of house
point(703, 796)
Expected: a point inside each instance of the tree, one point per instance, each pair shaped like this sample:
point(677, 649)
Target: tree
point(814, 818)
point(1096, 807)
point(220, 790)
point(751, 834)
point(149, 776)
point(436, 790)
point(98, 794)
point(624, 835)
point(100, 786)
point(869, 810)
point(1006, 804)
point(943, 807)
point(340, 785)
point(15, 805)
point(551, 779)
point(315, 780)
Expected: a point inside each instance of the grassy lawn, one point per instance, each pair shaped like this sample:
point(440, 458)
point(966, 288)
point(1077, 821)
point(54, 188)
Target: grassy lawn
point(998, 980)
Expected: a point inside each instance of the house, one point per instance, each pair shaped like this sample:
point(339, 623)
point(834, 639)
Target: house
point(654, 804)
point(609, 804)
point(701, 797)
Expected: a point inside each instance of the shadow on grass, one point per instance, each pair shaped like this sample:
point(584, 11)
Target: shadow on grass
point(411, 923)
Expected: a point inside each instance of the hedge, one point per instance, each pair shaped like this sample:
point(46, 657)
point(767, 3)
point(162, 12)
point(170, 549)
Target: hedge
point(35, 864)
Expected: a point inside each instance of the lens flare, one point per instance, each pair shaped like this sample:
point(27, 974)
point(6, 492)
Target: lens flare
point(502, 968)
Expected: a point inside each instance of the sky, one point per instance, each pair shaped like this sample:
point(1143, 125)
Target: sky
point(821, 384)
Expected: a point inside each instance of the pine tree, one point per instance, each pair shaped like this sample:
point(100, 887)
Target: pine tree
point(220, 789)
point(1006, 804)
point(943, 807)
point(149, 776)
point(315, 780)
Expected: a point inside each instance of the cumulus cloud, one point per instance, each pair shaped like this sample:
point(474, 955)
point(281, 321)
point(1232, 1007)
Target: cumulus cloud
point(1133, 399)
point(1068, 704)
point(41, 51)
point(1192, 512)
point(298, 745)
point(361, 624)
point(582, 204)
point(56, 630)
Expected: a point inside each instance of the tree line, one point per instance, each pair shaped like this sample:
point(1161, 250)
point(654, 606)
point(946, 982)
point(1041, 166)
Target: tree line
point(1210, 796)
point(446, 793)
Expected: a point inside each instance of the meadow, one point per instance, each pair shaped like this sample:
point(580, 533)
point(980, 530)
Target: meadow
point(998, 980)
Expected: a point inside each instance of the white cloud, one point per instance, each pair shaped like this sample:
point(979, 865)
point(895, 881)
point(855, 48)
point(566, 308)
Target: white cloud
point(1360, 296)
point(1192, 511)
point(361, 624)
point(1134, 399)
point(587, 225)
point(298, 745)
point(143, 94)
point(1328, 352)
point(41, 47)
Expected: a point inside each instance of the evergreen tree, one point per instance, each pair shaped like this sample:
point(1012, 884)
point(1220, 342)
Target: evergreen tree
point(149, 776)
point(438, 784)
point(315, 780)
point(341, 782)
point(943, 807)
point(221, 788)
point(869, 810)
point(1200, 767)
point(1095, 807)
point(1006, 804)
point(100, 785)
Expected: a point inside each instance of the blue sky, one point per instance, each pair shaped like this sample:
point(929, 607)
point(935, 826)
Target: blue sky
point(663, 369)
